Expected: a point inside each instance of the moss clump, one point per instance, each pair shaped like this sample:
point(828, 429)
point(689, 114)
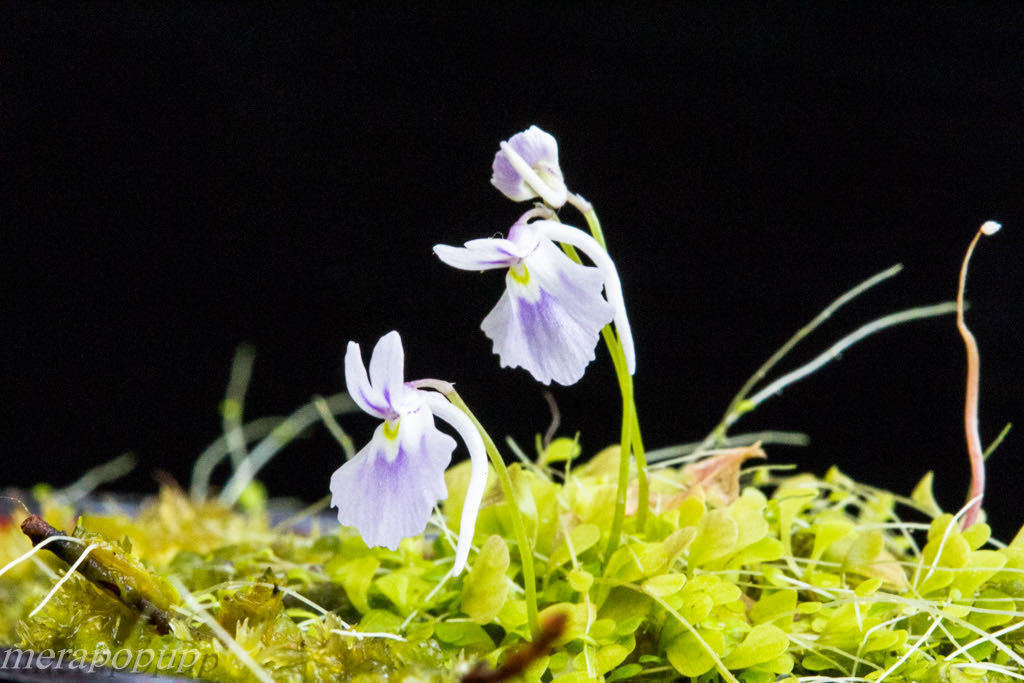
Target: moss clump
point(737, 575)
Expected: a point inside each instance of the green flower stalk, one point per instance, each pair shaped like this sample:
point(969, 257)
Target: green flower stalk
point(518, 528)
point(631, 438)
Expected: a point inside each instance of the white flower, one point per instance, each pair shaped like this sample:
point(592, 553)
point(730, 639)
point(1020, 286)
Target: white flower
point(550, 316)
point(387, 491)
point(527, 166)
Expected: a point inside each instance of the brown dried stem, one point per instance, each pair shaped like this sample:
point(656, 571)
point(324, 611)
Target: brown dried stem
point(974, 450)
point(519, 660)
point(137, 592)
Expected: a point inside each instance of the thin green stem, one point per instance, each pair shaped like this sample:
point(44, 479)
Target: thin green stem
point(296, 423)
point(643, 491)
point(739, 404)
point(862, 332)
point(623, 481)
point(234, 400)
point(998, 440)
point(631, 440)
point(109, 471)
point(595, 226)
point(518, 528)
point(327, 417)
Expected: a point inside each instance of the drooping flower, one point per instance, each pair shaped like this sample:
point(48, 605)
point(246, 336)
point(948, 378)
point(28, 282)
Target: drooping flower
point(550, 316)
point(526, 166)
point(387, 491)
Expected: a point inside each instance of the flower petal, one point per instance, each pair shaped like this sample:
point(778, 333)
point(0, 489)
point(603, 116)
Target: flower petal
point(550, 323)
point(589, 246)
point(477, 473)
point(366, 396)
point(507, 179)
point(387, 369)
point(388, 490)
point(527, 166)
point(482, 254)
point(535, 146)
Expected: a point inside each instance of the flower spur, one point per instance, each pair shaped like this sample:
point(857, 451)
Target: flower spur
point(388, 490)
point(550, 316)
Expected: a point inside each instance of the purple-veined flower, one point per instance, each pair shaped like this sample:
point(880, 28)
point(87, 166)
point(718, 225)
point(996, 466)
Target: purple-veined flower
point(526, 166)
point(550, 316)
point(388, 490)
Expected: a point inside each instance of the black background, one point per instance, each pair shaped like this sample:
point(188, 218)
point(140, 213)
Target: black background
point(177, 179)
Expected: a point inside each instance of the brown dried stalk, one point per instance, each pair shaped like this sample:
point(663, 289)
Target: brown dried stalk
point(974, 451)
point(137, 592)
point(516, 664)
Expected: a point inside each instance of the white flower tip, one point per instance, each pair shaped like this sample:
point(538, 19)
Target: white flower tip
point(990, 227)
point(390, 339)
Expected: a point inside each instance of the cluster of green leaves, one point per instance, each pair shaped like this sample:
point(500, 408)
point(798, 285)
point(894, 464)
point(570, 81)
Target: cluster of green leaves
point(793, 576)
point(796, 576)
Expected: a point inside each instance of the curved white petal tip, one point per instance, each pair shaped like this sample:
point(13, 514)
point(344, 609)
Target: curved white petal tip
point(477, 476)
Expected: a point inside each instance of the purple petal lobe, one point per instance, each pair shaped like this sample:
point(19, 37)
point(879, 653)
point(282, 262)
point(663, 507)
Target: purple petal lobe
point(535, 146)
point(388, 490)
point(366, 397)
point(549, 319)
point(508, 181)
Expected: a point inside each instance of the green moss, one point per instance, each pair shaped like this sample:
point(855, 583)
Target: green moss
point(797, 575)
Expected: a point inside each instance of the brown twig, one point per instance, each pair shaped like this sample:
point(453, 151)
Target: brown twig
point(129, 590)
point(552, 630)
point(974, 451)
